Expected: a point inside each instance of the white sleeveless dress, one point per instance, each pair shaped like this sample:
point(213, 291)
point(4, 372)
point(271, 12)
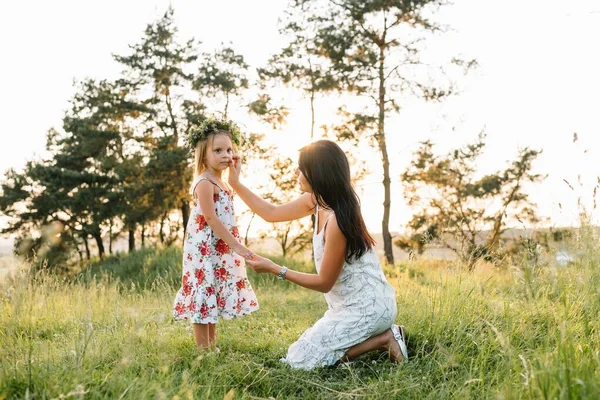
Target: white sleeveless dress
point(361, 304)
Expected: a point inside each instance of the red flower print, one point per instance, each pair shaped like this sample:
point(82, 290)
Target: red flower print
point(192, 307)
point(200, 275)
point(203, 247)
point(235, 232)
point(189, 256)
point(221, 302)
point(187, 286)
point(201, 221)
point(241, 284)
point(179, 308)
point(237, 262)
point(238, 306)
point(221, 274)
point(204, 310)
point(215, 197)
point(222, 247)
point(210, 291)
point(252, 303)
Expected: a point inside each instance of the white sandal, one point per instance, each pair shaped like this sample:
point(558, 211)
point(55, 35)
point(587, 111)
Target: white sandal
point(400, 337)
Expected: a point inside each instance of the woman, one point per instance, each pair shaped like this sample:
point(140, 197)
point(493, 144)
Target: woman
point(361, 303)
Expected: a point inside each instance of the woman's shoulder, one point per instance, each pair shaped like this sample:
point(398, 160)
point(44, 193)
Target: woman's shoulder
point(332, 230)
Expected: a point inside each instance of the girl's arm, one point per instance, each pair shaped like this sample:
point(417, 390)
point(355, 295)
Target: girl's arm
point(204, 192)
point(331, 264)
point(296, 209)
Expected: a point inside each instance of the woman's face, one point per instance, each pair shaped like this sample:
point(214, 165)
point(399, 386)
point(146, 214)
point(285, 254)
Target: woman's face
point(302, 182)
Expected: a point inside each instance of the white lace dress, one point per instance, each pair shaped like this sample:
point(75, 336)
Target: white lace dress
point(361, 304)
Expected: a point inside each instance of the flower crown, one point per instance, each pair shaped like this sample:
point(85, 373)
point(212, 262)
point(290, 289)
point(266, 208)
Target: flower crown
point(210, 126)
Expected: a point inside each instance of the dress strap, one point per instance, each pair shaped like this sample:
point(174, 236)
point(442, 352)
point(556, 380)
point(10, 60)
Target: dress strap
point(204, 178)
point(317, 232)
point(196, 182)
point(325, 224)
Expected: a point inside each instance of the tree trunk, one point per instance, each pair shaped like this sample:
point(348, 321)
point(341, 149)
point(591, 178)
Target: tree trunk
point(248, 229)
point(312, 101)
point(143, 235)
point(185, 214)
point(96, 235)
point(387, 237)
point(494, 237)
point(312, 115)
point(171, 114)
point(284, 241)
point(87, 248)
point(161, 234)
point(131, 240)
point(79, 252)
point(110, 238)
point(471, 264)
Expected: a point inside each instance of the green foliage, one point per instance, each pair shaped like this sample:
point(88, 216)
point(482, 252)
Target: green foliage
point(222, 74)
point(77, 188)
point(372, 49)
point(299, 64)
point(156, 73)
point(274, 116)
point(117, 165)
point(463, 212)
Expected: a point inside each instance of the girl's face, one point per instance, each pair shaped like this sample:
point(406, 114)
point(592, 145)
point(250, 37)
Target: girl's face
point(219, 153)
point(302, 182)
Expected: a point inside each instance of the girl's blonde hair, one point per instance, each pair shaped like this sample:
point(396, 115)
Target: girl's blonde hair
point(202, 147)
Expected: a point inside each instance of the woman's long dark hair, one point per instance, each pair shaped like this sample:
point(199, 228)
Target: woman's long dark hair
point(326, 169)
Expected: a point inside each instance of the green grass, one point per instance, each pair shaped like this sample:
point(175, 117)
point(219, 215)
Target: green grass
point(522, 332)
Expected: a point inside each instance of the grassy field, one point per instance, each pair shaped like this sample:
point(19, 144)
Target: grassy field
point(524, 331)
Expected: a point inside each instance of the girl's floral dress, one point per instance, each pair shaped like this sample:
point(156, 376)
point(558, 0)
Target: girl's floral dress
point(214, 281)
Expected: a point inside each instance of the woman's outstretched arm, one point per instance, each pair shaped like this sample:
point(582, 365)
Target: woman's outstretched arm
point(296, 209)
point(331, 264)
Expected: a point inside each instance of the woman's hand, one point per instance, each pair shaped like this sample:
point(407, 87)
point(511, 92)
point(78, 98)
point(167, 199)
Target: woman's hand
point(235, 168)
point(261, 265)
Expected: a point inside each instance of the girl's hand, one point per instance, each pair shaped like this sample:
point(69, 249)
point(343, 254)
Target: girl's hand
point(235, 168)
point(244, 252)
point(261, 265)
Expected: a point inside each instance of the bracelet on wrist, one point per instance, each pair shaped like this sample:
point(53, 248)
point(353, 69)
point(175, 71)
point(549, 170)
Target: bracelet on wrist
point(282, 272)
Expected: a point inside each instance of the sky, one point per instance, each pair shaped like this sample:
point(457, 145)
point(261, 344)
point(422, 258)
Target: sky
point(536, 85)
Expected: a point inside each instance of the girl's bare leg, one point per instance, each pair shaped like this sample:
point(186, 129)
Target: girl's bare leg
point(212, 335)
point(202, 335)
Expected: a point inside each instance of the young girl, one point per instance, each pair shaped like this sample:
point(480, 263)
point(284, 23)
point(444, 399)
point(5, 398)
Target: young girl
point(361, 303)
point(214, 279)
